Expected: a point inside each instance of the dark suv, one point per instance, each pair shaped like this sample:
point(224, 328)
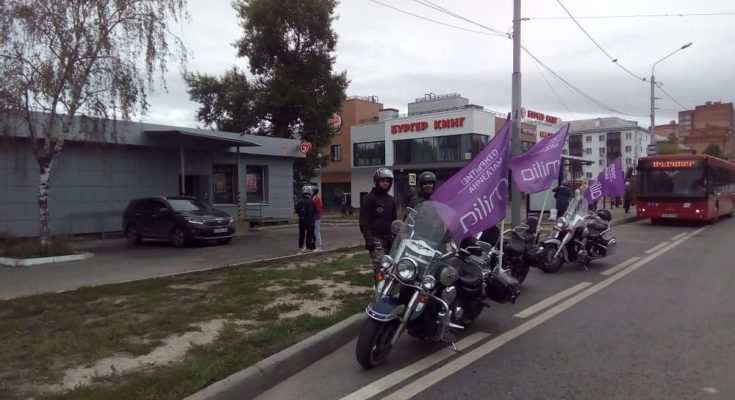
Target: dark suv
point(178, 219)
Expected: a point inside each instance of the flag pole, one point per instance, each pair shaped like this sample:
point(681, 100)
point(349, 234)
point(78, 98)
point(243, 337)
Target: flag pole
point(541, 216)
point(502, 234)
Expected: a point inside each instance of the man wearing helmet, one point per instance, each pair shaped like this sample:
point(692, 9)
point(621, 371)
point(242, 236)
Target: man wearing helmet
point(306, 209)
point(427, 182)
point(377, 213)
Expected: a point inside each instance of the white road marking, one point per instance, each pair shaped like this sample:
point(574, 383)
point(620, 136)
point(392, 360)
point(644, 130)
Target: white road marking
point(439, 374)
point(402, 374)
point(620, 266)
point(551, 300)
point(656, 247)
point(679, 236)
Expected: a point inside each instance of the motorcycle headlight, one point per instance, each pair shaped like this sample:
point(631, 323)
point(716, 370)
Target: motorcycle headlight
point(386, 262)
point(428, 282)
point(407, 269)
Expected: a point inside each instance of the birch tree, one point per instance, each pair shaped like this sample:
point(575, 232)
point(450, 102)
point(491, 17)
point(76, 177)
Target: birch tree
point(63, 59)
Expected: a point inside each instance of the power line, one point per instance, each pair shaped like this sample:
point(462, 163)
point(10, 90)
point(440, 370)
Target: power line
point(432, 20)
point(613, 59)
point(636, 16)
point(541, 72)
point(571, 87)
point(673, 99)
point(428, 3)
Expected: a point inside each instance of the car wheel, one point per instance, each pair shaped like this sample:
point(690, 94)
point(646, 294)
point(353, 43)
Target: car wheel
point(132, 234)
point(224, 241)
point(179, 237)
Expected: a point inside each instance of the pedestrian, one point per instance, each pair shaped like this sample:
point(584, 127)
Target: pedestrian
point(562, 193)
point(628, 197)
point(617, 201)
point(377, 213)
point(408, 197)
point(306, 208)
point(427, 182)
point(318, 211)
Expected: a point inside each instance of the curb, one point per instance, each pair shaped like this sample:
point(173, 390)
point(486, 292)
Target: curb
point(27, 262)
point(267, 373)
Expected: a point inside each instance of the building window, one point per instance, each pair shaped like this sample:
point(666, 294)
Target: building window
point(588, 151)
point(628, 135)
point(438, 149)
point(628, 149)
point(601, 163)
point(336, 152)
point(589, 175)
point(588, 138)
point(256, 183)
point(628, 161)
point(602, 137)
point(602, 151)
point(369, 153)
point(223, 179)
point(447, 148)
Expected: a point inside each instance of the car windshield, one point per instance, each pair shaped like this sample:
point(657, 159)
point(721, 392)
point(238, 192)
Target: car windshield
point(187, 205)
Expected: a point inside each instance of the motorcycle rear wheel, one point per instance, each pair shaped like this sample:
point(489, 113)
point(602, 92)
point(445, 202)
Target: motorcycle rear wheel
point(547, 262)
point(374, 342)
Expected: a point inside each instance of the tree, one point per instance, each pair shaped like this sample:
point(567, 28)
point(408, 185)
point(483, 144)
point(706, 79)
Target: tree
point(669, 148)
point(713, 150)
point(294, 90)
point(63, 59)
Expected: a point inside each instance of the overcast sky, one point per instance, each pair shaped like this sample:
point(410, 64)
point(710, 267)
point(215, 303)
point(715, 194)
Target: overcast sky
point(399, 57)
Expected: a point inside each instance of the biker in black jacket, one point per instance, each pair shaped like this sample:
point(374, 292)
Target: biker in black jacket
point(427, 184)
point(377, 213)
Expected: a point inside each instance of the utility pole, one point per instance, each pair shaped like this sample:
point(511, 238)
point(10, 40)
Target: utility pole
point(652, 129)
point(516, 113)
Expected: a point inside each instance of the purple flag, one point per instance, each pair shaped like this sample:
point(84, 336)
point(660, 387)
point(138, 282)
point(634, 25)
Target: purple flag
point(476, 195)
point(534, 170)
point(610, 182)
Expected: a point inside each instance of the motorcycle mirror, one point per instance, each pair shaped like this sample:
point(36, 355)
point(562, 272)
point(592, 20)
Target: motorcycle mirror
point(485, 247)
point(396, 226)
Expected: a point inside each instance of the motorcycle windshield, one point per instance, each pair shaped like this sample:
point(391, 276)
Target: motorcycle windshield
point(423, 232)
point(576, 210)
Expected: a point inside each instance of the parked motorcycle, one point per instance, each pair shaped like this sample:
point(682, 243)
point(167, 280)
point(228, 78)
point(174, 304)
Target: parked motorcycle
point(429, 287)
point(578, 237)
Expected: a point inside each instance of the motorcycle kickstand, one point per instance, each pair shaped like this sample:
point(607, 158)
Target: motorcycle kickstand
point(454, 346)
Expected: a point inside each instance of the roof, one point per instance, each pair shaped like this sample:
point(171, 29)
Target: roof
point(198, 136)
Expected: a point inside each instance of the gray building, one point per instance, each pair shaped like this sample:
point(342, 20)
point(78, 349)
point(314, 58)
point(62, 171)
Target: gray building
point(104, 166)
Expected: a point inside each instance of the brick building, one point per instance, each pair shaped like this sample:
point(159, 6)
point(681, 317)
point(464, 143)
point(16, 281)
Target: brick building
point(708, 124)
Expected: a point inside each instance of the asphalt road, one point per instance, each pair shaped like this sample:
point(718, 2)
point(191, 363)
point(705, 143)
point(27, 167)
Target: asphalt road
point(653, 321)
point(115, 261)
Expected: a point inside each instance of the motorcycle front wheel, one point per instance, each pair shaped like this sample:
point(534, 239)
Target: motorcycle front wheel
point(547, 262)
point(374, 342)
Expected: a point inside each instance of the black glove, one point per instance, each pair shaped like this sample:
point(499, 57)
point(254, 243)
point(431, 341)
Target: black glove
point(378, 252)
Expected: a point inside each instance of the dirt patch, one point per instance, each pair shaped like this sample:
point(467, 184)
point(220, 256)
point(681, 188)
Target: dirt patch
point(322, 307)
point(173, 349)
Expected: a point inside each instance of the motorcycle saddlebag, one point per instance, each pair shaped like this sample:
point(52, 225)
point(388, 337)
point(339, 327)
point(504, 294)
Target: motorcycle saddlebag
point(502, 287)
point(516, 246)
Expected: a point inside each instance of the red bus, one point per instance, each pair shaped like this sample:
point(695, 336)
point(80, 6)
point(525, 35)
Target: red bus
point(685, 187)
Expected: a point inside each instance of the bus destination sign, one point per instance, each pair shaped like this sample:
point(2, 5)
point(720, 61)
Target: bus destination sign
point(656, 164)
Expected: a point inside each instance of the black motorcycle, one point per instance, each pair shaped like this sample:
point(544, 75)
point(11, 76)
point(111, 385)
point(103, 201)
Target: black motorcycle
point(578, 237)
point(429, 287)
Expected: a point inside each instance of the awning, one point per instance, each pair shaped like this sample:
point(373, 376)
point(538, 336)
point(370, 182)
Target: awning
point(194, 136)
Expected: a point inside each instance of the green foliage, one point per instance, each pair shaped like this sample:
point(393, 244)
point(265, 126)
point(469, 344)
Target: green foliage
point(713, 150)
point(293, 90)
point(669, 148)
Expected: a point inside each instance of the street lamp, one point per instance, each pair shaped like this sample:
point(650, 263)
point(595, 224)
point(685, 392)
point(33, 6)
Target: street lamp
point(653, 94)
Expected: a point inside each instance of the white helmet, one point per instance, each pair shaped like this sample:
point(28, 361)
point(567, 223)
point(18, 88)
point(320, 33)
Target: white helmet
point(306, 190)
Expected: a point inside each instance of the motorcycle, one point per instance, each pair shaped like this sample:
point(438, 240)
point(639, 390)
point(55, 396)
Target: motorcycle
point(520, 247)
point(578, 237)
point(429, 287)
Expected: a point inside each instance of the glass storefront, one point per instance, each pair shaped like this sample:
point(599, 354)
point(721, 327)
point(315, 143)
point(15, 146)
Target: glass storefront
point(438, 149)
point(369, 153)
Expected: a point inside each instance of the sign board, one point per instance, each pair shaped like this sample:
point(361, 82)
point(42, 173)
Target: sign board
point(652, 149)
point(305, 147)
point(412, 179)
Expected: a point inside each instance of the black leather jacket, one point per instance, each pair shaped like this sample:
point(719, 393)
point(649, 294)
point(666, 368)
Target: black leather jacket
point(377, 213)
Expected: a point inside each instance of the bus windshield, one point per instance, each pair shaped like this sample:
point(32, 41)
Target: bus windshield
point(673, 182)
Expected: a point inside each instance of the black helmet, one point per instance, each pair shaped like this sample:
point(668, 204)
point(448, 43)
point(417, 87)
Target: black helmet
point(604, 214)
point(427, 176)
